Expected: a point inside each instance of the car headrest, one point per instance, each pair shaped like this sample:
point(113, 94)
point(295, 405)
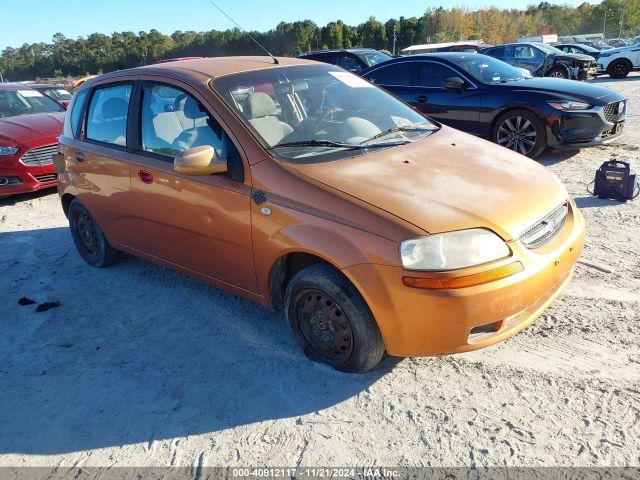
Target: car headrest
point(189, 107)
point(295, 86)
point(261, 105)
point(114, 108)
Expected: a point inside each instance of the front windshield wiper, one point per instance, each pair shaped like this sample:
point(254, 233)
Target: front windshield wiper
point(329, 143)
point(401, 128)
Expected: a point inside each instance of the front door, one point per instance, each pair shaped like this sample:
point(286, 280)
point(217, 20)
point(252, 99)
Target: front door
point(457, 108)
point(201, 223)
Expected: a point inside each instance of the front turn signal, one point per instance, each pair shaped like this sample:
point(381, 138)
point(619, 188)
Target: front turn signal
point(465, 281)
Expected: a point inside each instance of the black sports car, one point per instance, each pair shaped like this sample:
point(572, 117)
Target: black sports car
point(489, 98)
point(579, 48)
point(545, 61)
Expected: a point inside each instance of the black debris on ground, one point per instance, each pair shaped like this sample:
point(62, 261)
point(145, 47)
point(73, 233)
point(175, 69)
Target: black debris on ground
point(26, 301)
point(43, 307)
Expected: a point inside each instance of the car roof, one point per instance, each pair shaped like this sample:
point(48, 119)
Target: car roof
point(15, 86)
point(213, 67)
point(340, 50)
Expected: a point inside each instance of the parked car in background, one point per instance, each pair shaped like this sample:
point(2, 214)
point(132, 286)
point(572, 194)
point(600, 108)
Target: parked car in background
point(579, 48)
point(463, 46)
point(489, 98)
point(373, 228)
point(30, 123)
point(58, 93)
point(545, 61)
point(617, 42)
point(354, 59)
point(619, 62)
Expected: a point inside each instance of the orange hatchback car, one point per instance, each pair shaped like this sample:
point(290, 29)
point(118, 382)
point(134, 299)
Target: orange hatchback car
point(306, 188)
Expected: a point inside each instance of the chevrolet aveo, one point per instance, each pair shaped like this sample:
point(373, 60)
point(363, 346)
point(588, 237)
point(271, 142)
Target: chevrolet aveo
point(306, 188)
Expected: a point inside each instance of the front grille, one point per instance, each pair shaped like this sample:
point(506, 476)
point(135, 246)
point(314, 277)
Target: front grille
point(613, 111)
point(50, 177)
point(546, 229)
point(40, 156)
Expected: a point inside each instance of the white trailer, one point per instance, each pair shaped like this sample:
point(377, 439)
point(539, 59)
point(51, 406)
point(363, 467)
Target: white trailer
point(548, 39)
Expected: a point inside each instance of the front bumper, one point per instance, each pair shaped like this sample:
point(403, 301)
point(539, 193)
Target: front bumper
point(17, 178)
point(416, 322)
point(581, 129)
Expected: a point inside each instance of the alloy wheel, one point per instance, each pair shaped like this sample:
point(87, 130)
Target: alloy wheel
point(324, 326)
point(518, 134)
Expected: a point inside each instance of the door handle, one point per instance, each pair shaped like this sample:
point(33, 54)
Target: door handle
point(421, 99)
point(79, 157)
point(145, 176)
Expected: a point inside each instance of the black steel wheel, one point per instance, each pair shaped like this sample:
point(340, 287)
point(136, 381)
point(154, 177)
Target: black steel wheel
point(331, 320)
point(88, 237)
point(325, 328)
point(522, 132)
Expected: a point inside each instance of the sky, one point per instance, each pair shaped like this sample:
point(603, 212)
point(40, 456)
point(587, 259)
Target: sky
point(30, 22)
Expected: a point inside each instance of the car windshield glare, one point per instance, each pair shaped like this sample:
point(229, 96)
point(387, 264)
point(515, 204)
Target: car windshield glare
point(25, 102)
point(312, 113)
point(489, 70)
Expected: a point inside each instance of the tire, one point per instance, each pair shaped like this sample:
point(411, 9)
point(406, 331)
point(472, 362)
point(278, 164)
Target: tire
point(558, 72)
point(332, 321)
point(619, 68)
point(89, 239)
point(516, 129)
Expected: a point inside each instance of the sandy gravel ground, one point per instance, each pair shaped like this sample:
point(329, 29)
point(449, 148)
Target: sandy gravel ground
point(142, 366)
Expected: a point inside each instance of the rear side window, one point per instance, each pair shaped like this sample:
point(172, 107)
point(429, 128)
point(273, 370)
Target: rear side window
point(107, 116)
point(351, 64)
point(497, 52)
point(72, 118)
point(397, 74)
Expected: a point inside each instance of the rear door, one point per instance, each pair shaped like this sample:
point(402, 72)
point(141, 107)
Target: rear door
point(529, 57)
point(96, 157)
point(200, 223)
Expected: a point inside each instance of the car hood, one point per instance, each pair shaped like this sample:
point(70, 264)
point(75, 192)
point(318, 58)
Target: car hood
point(448, 181)
point(571, 89)
point(613, 51)
point(574, 56)
point(26, 128)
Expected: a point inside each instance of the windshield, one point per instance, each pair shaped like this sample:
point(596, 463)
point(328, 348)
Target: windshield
point(25, 102)
point(57, 93)
point(373, 58)
point(319, 112)
point(548, 48)
point(489, 70)
point(589, 48)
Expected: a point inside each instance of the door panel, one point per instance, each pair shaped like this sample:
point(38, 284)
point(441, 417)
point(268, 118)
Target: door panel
point(458, 109)
point(201, 223)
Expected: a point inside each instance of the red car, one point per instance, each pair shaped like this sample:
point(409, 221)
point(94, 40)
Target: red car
point(30, 124)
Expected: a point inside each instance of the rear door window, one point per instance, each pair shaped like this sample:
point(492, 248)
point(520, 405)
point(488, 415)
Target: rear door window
point(72, 119)
point(399, 74)
point(108, 113)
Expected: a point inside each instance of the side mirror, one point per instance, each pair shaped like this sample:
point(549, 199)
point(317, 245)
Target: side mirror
point(455, 83)
point(199, 161)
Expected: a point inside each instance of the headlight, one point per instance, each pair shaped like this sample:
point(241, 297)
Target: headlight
point(448, 251)
point(8, 150)
point(570, 105)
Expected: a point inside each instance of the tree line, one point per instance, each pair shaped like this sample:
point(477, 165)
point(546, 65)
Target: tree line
point(102, 53)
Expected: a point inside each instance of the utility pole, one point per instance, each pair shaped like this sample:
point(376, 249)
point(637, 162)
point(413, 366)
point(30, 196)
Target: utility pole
point(604, 26)
point(621, 18)
point(394, 39)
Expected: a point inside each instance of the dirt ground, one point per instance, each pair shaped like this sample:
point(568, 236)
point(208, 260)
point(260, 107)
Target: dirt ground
point(140, 366)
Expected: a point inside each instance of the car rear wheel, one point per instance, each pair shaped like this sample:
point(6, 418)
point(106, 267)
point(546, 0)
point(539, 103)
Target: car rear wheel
point(88, 237)
point(522, 132)
point(619, 68)
point(332, 321)
point(558, 72)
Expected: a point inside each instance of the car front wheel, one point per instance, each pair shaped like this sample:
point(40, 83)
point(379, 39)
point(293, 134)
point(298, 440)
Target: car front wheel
point(88, 237)
point(331, 320)
point(558, 72)
point(619, 68)
point(522, 132)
